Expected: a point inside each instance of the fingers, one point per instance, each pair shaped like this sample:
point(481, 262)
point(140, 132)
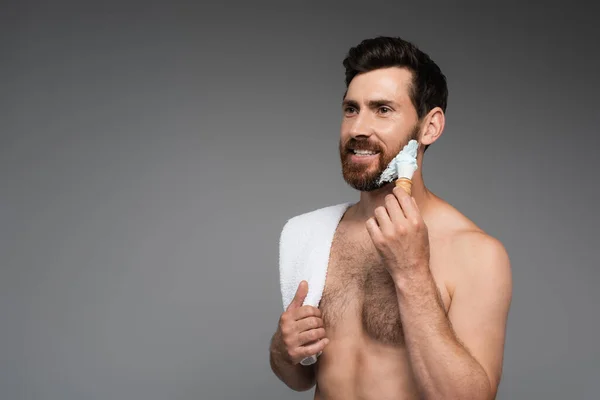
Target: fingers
point(415, 204)
point(300, 295)
point(302, 338)
point(309, 323)
point(383, 219)
point(299, 353)
point(398, 216)
point(299, 320)
point(406, 202)
point(312, 349)
point(393, 208)
point(374, 230)
point(308, 337)
point(305, 312)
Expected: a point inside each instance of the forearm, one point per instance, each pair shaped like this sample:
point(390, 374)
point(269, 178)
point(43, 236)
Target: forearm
point(297, 377)
point(443, 367)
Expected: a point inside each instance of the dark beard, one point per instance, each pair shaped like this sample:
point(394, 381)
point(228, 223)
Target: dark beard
point(359, 176)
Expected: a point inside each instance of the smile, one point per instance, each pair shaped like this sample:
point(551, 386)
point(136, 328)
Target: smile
point(364, 152)
point(363, 156)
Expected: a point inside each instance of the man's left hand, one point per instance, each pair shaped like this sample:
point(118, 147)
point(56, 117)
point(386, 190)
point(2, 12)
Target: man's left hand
point(400, 234)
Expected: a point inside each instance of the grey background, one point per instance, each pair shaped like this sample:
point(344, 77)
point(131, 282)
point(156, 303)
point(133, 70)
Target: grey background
point(150, 154)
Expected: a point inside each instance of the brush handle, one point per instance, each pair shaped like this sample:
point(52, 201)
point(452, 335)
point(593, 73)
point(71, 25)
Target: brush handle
point(405, 184)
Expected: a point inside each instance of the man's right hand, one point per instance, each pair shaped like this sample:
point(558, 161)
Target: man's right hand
point(301, 328)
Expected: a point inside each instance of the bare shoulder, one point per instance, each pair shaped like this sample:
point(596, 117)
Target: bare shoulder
point(475, 255)
point(480, 256)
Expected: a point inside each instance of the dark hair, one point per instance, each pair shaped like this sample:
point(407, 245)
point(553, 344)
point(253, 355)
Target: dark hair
point(429, 88)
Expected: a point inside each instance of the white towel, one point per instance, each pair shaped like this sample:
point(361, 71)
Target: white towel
point(304, 248)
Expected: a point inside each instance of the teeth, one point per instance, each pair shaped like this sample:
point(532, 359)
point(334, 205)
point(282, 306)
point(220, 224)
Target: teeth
point(364, 152)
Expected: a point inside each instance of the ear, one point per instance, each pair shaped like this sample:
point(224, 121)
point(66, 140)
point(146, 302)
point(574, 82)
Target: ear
point(433, 126)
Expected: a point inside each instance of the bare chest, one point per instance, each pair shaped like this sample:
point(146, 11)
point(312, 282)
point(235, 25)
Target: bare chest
point(359, 292)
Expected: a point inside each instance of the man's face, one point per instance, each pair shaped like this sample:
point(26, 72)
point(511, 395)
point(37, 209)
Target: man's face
point(378, 117)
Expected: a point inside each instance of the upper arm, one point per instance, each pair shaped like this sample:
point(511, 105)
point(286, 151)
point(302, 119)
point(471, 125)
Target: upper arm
point(481, 301)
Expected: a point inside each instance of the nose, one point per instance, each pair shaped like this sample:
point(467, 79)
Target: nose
point(361, 126)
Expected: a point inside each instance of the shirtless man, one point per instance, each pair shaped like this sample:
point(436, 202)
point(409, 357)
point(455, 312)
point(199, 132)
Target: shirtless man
point(417, 296)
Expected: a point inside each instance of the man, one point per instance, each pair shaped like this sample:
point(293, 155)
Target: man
point(417, 296)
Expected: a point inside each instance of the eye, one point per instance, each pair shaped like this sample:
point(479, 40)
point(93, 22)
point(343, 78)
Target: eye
point(349, 110)
point(384, 109)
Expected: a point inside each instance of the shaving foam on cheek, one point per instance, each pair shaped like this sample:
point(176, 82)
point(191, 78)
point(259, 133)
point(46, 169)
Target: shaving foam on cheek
point(403, 165)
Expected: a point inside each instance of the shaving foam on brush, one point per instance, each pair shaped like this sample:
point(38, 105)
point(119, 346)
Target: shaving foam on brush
point(402, 167)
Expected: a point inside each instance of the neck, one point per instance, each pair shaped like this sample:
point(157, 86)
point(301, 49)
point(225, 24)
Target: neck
point(369, 201)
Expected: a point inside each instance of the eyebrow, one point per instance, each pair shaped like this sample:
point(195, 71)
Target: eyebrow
point(372, 103)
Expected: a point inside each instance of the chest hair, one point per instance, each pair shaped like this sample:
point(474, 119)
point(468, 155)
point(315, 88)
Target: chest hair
point(358, 289)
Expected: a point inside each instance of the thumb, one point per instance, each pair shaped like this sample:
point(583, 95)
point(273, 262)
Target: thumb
point(300, 295)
